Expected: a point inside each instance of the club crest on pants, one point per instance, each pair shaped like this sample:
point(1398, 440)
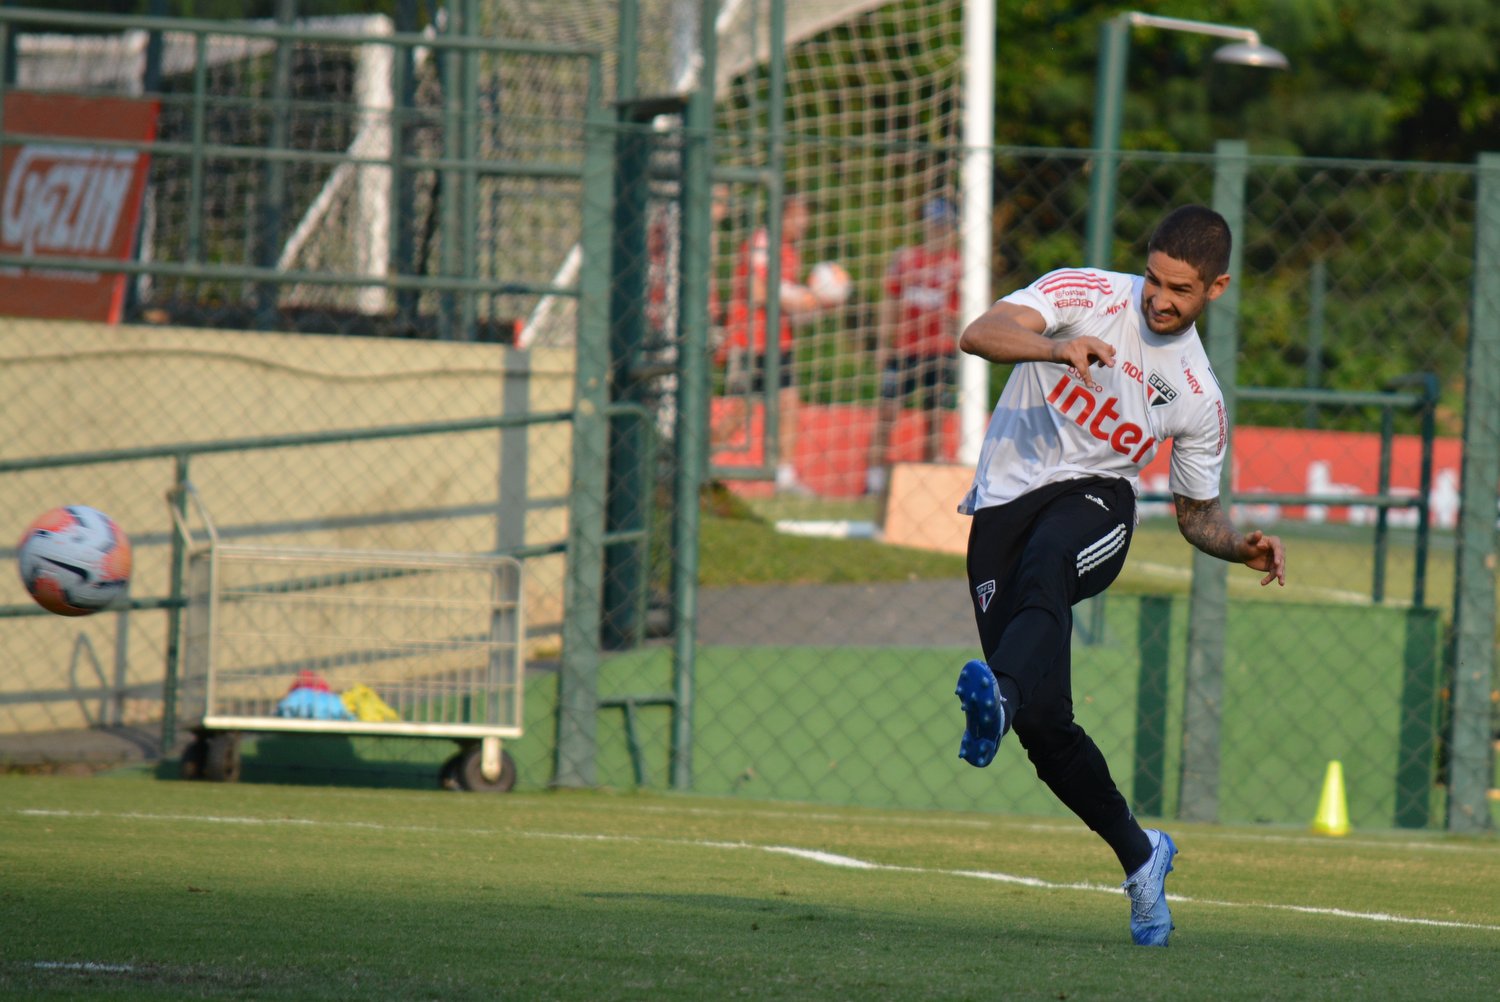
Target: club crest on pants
point(985, 591)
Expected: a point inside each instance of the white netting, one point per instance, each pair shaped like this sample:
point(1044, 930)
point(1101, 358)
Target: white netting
point(873, 114)
point(874, 107)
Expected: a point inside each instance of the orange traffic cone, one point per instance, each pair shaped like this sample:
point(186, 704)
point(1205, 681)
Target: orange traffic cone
point(1333, 809)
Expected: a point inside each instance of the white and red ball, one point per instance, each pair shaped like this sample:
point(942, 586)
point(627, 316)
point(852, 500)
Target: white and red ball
point(830, 282)
point(74, 560)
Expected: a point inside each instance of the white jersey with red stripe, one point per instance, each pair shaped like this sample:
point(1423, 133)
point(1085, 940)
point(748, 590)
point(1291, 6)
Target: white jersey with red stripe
point(1049, 426)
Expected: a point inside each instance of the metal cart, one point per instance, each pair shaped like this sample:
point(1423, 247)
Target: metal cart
point(385, 643)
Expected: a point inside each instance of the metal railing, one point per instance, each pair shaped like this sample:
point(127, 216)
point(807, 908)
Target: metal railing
point(1422, 402)
point(461, 164)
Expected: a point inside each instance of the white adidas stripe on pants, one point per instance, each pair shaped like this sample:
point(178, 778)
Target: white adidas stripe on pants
point(1102, 549)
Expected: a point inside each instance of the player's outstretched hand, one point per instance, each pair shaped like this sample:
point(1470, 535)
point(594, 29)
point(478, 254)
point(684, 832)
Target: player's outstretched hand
point(1079, 353)
point(1266, 554)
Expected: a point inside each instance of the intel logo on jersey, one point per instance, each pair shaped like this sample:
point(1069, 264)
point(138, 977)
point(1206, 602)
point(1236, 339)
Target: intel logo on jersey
point(1126, 438)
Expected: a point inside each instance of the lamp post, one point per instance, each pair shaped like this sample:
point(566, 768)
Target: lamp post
point(1245, 49)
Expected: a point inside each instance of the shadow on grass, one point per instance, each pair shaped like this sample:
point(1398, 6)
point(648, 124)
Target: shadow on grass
point(335, 760)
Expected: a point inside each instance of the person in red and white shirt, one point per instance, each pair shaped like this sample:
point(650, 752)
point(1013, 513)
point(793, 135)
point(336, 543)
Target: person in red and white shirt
point(746, 342)
point(1108, 367)
point(916, 351)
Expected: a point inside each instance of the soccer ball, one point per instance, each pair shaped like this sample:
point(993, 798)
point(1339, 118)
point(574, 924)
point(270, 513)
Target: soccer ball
point(74, 560)
point(830, 283)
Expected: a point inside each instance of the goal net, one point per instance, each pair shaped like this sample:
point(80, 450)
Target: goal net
point(870, 114)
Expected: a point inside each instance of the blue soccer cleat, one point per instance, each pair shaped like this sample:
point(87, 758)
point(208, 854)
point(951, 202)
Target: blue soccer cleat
point(986, 715)
point(1150, 918)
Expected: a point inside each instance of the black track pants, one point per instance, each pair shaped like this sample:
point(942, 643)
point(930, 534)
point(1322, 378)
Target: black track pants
point(1029, 562)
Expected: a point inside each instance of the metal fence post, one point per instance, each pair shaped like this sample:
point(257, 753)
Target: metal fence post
point(692, 399)
point(403, 185)
point(272, 205)
point(8, 60)
point(578, 679)
point(1470, 759)
point(468, 193)
point(174, 611)
point(776, 195)
point(1114, 50)
point(200, 133)
point(630, 484)
point(451, 179)
point(1203, 697)
point(7, 67)
point(1418, 733)
point(1154, 645)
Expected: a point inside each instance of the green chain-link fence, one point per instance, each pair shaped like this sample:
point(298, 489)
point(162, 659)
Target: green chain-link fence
point(796, 639)
point(289, 190)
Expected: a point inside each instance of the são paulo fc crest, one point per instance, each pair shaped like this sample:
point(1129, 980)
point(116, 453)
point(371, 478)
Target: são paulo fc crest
point(985, 592)
point(1158, 391)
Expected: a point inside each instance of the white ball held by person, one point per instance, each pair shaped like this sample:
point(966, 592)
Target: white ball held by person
point(830, 282)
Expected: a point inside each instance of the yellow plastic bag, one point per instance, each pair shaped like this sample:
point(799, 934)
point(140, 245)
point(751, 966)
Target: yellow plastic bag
point(363, 702)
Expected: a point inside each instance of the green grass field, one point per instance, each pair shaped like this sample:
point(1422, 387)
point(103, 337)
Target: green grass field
point(123, 886)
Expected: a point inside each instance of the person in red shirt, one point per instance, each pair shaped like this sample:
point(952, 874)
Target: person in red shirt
point(745, 345)
point(916, 348)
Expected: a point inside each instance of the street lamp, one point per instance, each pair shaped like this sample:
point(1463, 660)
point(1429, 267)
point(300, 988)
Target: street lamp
point(1109, 105)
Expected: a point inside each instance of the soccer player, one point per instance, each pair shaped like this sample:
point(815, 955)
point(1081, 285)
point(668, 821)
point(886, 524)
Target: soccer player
point(915, 353)
point(1109, 366)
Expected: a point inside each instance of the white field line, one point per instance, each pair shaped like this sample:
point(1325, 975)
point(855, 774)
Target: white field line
point(89, 966)
point(938, 820)
point(809, 855)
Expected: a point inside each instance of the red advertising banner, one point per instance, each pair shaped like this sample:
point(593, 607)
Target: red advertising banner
point(68, 200)
point(833, 443)
point(1330, 464)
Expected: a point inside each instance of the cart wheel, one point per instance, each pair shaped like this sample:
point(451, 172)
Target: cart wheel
point(470, 774)
point(193, 758)
point(448, 774)
point(221, 763)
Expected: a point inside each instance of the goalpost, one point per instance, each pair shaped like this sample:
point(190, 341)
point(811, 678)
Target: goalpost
point(978, 197)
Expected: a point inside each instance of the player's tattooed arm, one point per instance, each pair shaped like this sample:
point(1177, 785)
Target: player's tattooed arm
point(1204, 524)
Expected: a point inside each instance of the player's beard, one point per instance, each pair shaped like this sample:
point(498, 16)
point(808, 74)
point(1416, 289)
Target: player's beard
point(1169, 325)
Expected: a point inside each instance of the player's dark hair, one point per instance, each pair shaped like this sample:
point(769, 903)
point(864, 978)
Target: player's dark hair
point(1195, 235)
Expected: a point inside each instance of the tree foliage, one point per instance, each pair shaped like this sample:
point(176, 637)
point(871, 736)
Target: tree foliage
point(1381, 79)
point(1370, 81)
